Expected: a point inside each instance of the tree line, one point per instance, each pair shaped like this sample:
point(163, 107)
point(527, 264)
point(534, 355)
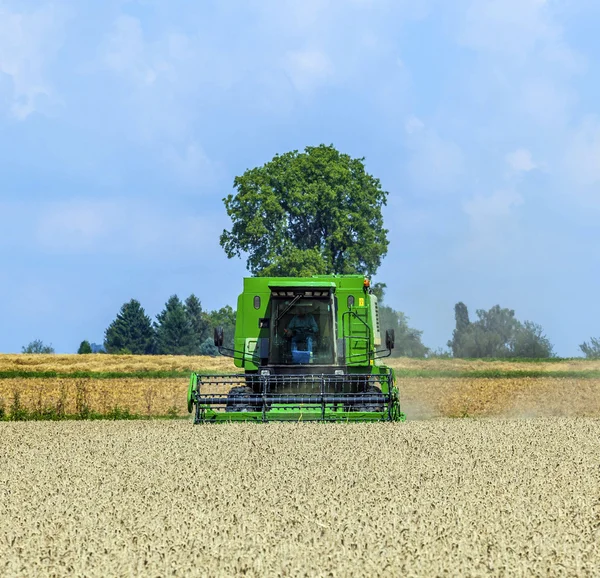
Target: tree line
point(181, 328)
point(184, 328)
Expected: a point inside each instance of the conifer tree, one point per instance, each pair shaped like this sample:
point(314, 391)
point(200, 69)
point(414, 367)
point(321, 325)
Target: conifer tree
point(174, 333)
point(131, 331)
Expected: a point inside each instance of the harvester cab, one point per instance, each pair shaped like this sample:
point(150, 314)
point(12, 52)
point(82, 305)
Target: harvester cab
point(308, 349)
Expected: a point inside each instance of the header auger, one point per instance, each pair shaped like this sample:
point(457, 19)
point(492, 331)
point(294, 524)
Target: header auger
point(310, 350)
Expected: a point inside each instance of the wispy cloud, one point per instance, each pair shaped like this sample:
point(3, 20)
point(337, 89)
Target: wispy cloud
point(308, 68)
point(493, 227)
point(521, 161)
point(582, 154)
point(121, 227)
point(435, 164)
point(29, 41)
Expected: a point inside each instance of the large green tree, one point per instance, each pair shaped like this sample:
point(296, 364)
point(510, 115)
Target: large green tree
point(304, 213)
point(174, 332)
point(131, 331)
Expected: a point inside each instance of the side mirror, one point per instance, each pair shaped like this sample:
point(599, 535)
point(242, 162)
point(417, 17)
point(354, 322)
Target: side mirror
point(390, 339)
point(218, 337)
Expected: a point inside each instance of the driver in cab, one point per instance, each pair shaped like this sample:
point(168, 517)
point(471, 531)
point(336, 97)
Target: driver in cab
point(302, 328)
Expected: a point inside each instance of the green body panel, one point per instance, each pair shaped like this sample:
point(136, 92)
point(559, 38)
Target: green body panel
point(360, 342)
point(193, 386)
point(294, 415)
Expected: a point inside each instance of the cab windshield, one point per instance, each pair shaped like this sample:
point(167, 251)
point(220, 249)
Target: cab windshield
point(302, 330)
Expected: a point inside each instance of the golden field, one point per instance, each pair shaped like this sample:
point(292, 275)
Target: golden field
point(426, 498)
point(141, 363)
point(113, 363)
point(421, 398)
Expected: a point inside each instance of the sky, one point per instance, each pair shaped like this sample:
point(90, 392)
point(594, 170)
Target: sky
point(124, 123)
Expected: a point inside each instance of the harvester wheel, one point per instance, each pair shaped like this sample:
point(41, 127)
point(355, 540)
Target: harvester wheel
point(235, 399)
point(370, 390)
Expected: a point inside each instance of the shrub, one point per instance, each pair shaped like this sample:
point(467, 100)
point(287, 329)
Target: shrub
point(84, 347)
point(37, 346)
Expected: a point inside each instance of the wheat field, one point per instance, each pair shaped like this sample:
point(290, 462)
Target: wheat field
point(421, 398)
point(425, 498)
point(112, 363)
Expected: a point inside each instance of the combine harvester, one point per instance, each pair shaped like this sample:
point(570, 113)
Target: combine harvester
point(310, 349)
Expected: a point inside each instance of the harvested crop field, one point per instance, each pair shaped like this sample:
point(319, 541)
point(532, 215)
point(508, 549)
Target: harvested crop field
point(425, 498)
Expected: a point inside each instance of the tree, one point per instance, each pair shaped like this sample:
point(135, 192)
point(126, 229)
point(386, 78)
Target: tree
point(497, 334)
point(530, 341)
point(208, 347)
point(314, 212)
point(198, 321)
point(174, 333)
point(591, 350)
point(37, 346)
point(408, 340)
point(225, 318)
point(84, 347)
point(131, 331)
point(461, 317)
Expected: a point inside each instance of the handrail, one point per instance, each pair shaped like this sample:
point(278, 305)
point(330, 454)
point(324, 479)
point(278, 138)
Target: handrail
point(367, 354)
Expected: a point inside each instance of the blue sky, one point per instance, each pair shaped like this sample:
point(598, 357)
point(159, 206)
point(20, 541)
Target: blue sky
point(123, 124)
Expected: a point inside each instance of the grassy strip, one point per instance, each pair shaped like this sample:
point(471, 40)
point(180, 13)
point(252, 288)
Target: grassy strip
point(536, 360)
point(415, 373)
point(497, 374)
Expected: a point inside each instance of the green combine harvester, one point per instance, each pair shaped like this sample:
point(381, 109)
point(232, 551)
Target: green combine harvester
point(310, 350)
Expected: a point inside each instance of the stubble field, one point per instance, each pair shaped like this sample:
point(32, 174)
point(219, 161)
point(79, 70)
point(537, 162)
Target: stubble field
point(425, 498)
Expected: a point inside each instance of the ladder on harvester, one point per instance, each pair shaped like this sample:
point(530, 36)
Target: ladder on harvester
point(357, 334)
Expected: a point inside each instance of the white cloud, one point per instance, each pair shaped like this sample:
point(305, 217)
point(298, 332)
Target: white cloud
point(28, 42)
point(493, 227)
point(119, 227)
point(520, 161)
point(524, 63)
point(484, 211)
point(517, 27)
point(163, 78)
point(582, 156)
point(126, 51)
point(78, 225)
point(435, 164)
point(308, 69)
point(191, 166)
point(413, 125)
